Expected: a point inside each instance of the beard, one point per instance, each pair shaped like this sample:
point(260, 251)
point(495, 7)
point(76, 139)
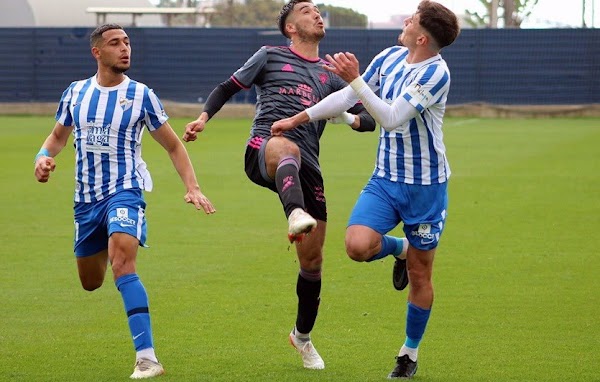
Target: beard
point(119, 69)
point(400, 39)
point(311, 37)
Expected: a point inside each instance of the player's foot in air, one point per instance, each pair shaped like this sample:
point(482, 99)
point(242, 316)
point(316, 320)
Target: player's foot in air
point(145, 368)
point(310, 357)
point(300, 223)
point(405, 368)
point(399, 274)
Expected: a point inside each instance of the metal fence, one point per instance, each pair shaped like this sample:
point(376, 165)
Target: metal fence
point(497, 66)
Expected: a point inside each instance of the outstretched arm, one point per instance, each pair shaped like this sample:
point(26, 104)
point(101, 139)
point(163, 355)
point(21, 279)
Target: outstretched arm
point(215, 101)
point(329, 107)
point(389, 117)
point(167, 138)
point(53, 145)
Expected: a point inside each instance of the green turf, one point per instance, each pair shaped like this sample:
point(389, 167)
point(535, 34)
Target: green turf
point(516, 276)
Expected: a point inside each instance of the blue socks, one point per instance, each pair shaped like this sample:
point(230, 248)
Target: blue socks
point(416, 321)
point(390, 245)
point(135, 300)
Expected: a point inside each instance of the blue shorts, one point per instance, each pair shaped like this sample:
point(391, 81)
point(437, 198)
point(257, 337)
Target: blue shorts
point(383, 204)
point(123, 211)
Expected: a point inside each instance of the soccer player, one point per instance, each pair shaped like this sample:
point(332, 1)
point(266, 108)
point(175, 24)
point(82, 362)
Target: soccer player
point(107, 114)
point(288, 80)
point(409, 183)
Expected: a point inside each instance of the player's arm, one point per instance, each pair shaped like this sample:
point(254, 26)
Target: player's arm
point(53, 145)
point(389, 117)
point(167, 138)
point(215, 101)
point(363, 121)
point(329, 107)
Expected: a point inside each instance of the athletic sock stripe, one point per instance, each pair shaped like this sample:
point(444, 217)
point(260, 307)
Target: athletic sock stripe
point(137, 311)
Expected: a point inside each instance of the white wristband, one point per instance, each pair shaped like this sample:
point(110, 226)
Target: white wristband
point(358, 84)
point(345, 117)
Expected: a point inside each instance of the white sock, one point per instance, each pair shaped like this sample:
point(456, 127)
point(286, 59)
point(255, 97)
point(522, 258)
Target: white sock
point(412, 353)
point(147, 353)
point(402, 255)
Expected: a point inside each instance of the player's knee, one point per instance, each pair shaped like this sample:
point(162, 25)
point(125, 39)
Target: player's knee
point(312, 263)
point(287, 148)
point(419, 278)
point(91, 284)
point(357, 249)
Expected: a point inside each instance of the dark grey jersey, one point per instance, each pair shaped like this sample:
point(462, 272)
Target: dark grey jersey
point(286, 84)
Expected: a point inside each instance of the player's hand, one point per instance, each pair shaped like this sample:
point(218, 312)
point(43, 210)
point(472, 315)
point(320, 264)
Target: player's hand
point(279, 127)
point(344, 65)
point(197, 198)
point(192, 129)
point(43, 167)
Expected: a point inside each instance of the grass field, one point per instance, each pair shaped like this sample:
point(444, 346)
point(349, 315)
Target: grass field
point(517, 274)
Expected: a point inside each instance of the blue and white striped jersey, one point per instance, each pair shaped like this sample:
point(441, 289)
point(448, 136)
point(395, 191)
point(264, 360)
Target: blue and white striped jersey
point(413, 153)
point(108, 124)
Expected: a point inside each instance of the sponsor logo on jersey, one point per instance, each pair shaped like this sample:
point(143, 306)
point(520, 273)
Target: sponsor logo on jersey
point(419, 93)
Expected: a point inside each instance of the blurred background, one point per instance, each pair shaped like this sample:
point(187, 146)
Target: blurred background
point(513, 56)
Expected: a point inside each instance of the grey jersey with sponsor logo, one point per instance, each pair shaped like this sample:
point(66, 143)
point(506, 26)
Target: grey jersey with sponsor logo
point(286, 84)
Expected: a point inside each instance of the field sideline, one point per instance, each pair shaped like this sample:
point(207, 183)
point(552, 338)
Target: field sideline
point(517, 274)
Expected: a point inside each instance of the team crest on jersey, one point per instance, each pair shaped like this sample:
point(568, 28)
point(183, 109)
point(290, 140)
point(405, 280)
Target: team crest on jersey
point(125, 103)
point(323, 77)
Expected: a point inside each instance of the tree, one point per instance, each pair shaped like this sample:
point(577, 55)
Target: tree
point(513, 13)
point(261, 13)
point(252, 13)
point(343, 17)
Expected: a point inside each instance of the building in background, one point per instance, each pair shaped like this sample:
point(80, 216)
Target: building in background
point(71, 13)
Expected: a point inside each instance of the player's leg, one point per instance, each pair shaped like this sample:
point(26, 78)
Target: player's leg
point(310, 257)
point(277, 170)
point(420, 301)
point(90, 244)
point(373, 215)
point(363, 243)
point(308, 290)
point(282, 161)
point(423, 227)
point(92, 270)
point(127, 230)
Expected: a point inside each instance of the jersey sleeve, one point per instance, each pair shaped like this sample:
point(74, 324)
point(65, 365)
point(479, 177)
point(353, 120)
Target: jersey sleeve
point(429, 87)
point(155, 115)
point(63, 113)
point(246, 75)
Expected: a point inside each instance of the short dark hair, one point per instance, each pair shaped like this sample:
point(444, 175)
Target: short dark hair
point(439, 21)
point(96, 35)
point(285, 12)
